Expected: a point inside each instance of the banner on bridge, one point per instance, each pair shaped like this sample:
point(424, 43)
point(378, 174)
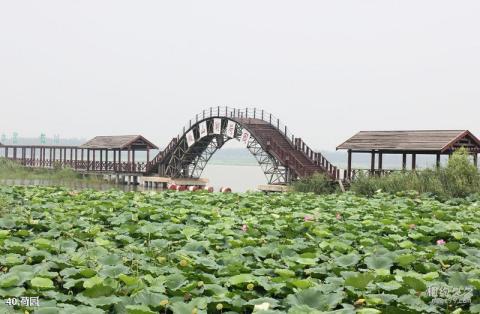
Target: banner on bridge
point(203, 129)
point(217, 126)
point(231, 128)
point(190, 138)
point(245, 137)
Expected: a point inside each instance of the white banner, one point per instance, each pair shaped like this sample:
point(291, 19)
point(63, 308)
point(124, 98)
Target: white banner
point(245, 137)
point(230, 132)
point(190, 138)
point(203, 129)
point(217, 126)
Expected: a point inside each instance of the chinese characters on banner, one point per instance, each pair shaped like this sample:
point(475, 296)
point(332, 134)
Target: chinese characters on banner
point(245, 137)
point(203, 129)
point(190, 138)
point(231, 129)
point(217, 126)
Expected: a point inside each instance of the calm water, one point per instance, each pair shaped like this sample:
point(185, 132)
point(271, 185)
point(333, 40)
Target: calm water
point(238, 178)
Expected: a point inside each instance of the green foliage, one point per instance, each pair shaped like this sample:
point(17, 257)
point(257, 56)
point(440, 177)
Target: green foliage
point(317, 183)
point(460, 178)
point(169, 252)
point(12, 170)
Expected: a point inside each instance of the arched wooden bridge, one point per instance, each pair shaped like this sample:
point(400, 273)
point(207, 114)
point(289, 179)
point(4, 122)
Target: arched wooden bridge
point(282, 156)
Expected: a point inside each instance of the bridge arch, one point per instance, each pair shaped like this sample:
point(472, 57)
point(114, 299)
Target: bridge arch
point(281, 156)
point(190, 160)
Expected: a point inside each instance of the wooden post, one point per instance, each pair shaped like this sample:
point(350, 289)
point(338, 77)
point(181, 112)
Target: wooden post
point(349, 166)
point(133, 160)
point(76, 158)
point(438, 160)
point(404, 162)
point(128, 160)
point(380, 163)
point(64, 157)
point(94, 166)
point(372, 163)
point(114, 160)
point(14, 153)
point(106, 160)
point(414, 161)
point(88, 159)
point(120, 160)
point(148, 155)
point(475, 159)
point(101, 159)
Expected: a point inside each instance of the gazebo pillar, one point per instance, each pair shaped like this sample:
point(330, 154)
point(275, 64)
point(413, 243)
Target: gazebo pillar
point(414, 161)
point(133, 160)
point(88, 159)
point(475, 159)
point(380, 162)
point(404, 161)
point(129, 164)
point(349, 165)
point(438, 160)
point(120, 160)
point(372, 163)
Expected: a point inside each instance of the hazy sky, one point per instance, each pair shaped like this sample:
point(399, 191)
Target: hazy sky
point(327, 68)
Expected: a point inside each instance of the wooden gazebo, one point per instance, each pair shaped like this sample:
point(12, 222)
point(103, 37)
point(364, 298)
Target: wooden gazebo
point(442, 142)
point(117, 145)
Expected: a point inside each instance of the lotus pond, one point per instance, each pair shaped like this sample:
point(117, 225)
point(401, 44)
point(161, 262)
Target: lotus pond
point(138, 253)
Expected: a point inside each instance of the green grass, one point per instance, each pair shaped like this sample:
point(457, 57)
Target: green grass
point(318, 184)
point(11, 170)
point(460, 178)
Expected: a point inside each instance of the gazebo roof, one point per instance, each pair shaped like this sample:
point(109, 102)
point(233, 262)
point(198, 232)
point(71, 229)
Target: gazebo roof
point(119, 142)
point(435, 141)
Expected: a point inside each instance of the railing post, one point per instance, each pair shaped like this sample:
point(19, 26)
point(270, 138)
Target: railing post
point(203, 114)
point(246, 113)
point(278, 124)
point(254, 112)
point(285, 130)
point(218, 111)
point(270, 118)
point(262, 114)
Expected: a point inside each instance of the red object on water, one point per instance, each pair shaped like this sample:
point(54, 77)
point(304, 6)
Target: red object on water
point(193, 188)
point(225, 190)
point(172, 187)
point(181, 187)
point(208, 188)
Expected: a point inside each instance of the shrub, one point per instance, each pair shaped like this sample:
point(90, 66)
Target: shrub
point(459, 178)
point(317, 183)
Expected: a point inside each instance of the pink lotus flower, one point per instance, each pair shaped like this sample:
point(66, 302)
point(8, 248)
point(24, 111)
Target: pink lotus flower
point(244, 228)
point(412, 226)
point(308, 218)
point(441, 242)
point(338, 216)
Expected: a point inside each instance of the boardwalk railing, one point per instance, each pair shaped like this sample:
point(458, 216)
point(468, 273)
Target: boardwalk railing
point(104, 166)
